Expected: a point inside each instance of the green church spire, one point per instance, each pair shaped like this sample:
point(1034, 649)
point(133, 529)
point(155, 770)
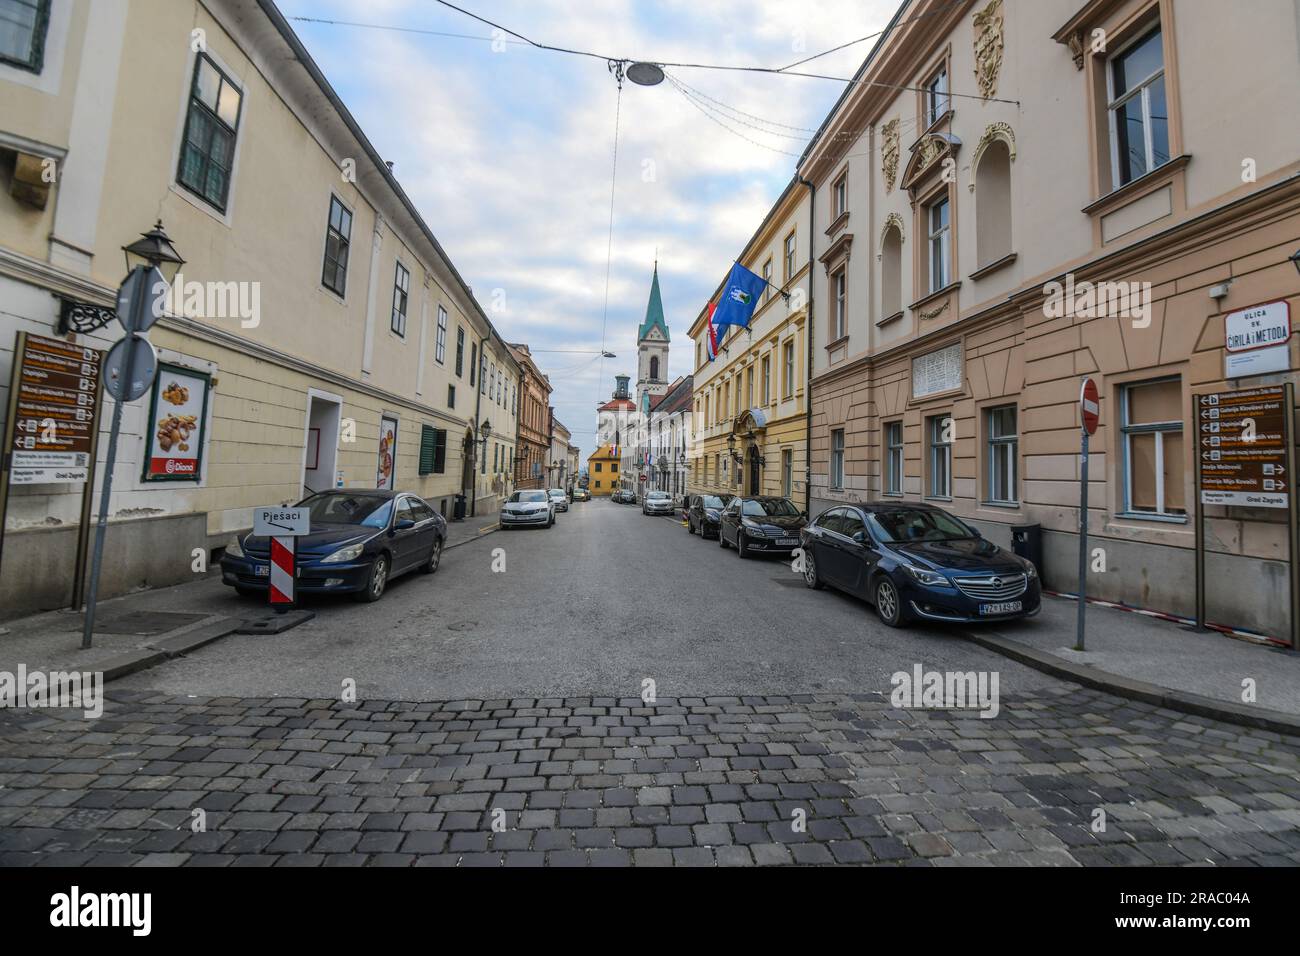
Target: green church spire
point(654, 310)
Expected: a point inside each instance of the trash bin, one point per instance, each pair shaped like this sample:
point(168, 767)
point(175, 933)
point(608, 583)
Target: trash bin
point(459, 513)
point(1027, 542)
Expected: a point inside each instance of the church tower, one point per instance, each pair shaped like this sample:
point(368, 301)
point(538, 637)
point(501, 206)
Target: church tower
point(652, 350)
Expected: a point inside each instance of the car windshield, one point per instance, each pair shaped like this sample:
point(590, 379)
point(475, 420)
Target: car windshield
point(898, 525)
point(765, 507)
point(657, 495)
point(711, 501)
point(526, 496)
point(370, 511)
point(557, 491)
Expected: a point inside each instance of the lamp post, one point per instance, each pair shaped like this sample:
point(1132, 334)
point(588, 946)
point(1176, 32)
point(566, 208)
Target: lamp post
point(149, 259)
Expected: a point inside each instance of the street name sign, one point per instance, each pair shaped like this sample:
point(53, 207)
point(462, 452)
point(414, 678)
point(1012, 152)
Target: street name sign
point(56, 411)
point(1257, 340)
point(1242, 443)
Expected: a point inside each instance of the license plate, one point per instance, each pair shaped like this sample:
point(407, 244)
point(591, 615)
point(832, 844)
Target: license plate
point(787, 542)
point(1004, 607)
point(262, 570)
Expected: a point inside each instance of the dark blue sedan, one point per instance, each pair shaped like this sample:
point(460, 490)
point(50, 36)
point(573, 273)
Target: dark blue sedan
point(360, 540)
point(914, 561)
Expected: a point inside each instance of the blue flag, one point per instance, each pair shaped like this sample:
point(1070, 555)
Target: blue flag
point(738, 300)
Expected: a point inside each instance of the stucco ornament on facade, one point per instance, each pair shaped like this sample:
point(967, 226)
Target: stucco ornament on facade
point(889, 153)
point(929, 150)
point(993, 131)
point(988, 48)
point(936, 311)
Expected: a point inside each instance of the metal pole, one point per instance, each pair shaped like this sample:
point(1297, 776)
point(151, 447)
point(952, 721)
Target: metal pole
point(87, 496)
point(1293, 512)
point(138, 305)
point(1083, 541)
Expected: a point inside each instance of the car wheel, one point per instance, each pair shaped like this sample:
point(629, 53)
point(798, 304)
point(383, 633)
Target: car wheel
point(435, 557)
point(690, 527)
point(889, 604)
point(742, 549)
point(810, 576)
point(722, 541)
point(377, 581)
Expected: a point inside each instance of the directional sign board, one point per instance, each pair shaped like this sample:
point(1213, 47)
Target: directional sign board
point(56, 410)
point(281, 522)
point(1242, 443)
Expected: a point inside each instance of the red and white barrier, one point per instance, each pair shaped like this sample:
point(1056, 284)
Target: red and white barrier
point(282, 570)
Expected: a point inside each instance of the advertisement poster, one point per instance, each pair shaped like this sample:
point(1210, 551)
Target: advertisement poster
point(387, 452)
point(176, 420)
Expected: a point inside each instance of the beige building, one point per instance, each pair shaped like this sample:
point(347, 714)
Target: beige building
point(992, 154)
point(750, 404)
point(559, 474)
point(322, 335)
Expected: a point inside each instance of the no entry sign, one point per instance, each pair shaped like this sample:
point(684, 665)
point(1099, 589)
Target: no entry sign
point(1089, 406)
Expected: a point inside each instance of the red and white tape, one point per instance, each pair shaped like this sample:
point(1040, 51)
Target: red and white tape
point(1175, 619)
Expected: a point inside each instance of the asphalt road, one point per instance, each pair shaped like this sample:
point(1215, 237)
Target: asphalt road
point(594, 606)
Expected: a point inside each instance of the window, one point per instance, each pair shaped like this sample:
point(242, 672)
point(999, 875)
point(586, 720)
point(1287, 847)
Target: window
point(839, 291)
point(749, 387)
point(1152, 417)
point(208, 150)
point(338, 237)
point(1003, 444)
point(767, 380)
point(837, 458)
point(482, 373)
point(598, 470)
point(433, 450)
point(939, 432)
point(473, 361)
point(401, 288)
point(936, 97)
point(937, 217)
point(460, 350)
point(1139, 114)
point(23, 25)
point(767, 277)
point(894, 458)
point(840, 195)
point(440, 346)
point(789, 258)
point(788, 350)
point(787, 472)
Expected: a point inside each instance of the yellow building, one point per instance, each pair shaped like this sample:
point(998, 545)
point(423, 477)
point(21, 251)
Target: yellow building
point(322, 337)
point(602, 471)
point(750, 410)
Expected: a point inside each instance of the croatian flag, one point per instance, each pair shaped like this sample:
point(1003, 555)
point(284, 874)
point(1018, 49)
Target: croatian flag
point(739, 299)
point(711, 342)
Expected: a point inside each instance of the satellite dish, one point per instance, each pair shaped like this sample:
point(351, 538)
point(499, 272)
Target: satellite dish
point(645, 74)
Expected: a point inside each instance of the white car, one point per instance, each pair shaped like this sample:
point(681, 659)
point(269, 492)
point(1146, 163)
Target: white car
point(525, 508)
point(559, 500)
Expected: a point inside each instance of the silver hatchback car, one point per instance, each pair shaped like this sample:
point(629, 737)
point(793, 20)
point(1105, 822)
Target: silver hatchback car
point(524, 508)
point(657, 503)
point(559, 500)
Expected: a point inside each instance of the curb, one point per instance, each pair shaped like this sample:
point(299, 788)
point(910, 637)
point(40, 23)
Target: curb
point(165, 649)
point(482, 533)
point(1260, 718)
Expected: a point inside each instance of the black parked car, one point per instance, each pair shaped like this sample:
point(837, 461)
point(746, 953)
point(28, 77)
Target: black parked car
point(360, 540)
point(763, 524)
point(703, 512)
point(914, 560)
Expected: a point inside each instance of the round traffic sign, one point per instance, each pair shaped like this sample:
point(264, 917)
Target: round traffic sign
point(1089, 405)
point(127, 385)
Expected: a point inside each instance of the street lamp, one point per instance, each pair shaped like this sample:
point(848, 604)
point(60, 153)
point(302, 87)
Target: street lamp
point(154, 248)
point(1295, 260)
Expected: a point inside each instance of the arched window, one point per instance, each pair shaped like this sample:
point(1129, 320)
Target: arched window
point(654, 368)
point(891, 273)
point(993, 204)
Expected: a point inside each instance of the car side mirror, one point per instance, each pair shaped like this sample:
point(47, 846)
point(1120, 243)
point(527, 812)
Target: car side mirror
point(860, 537)
point(402, 524)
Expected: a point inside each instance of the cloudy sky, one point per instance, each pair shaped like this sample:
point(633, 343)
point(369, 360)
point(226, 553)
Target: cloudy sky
point(507, 151)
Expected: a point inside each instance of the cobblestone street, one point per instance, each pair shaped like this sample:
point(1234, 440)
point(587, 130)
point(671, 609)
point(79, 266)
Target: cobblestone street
point(808, 779)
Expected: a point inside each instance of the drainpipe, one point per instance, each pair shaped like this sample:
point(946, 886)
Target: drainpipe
point(478, 404)
point(808, 322)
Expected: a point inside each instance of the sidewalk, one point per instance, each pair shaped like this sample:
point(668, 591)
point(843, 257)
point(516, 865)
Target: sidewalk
point(144, 628)
point(1158, 661)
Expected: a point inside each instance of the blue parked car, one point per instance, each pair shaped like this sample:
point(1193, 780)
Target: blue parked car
point(360, 540)
point(914, 560)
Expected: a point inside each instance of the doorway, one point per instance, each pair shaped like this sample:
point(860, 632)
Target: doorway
point(755, 472)
point(467, 465)
point(320, 452)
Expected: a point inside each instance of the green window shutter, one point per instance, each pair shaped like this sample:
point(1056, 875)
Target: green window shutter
point(428, 448)
point(440, 452)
